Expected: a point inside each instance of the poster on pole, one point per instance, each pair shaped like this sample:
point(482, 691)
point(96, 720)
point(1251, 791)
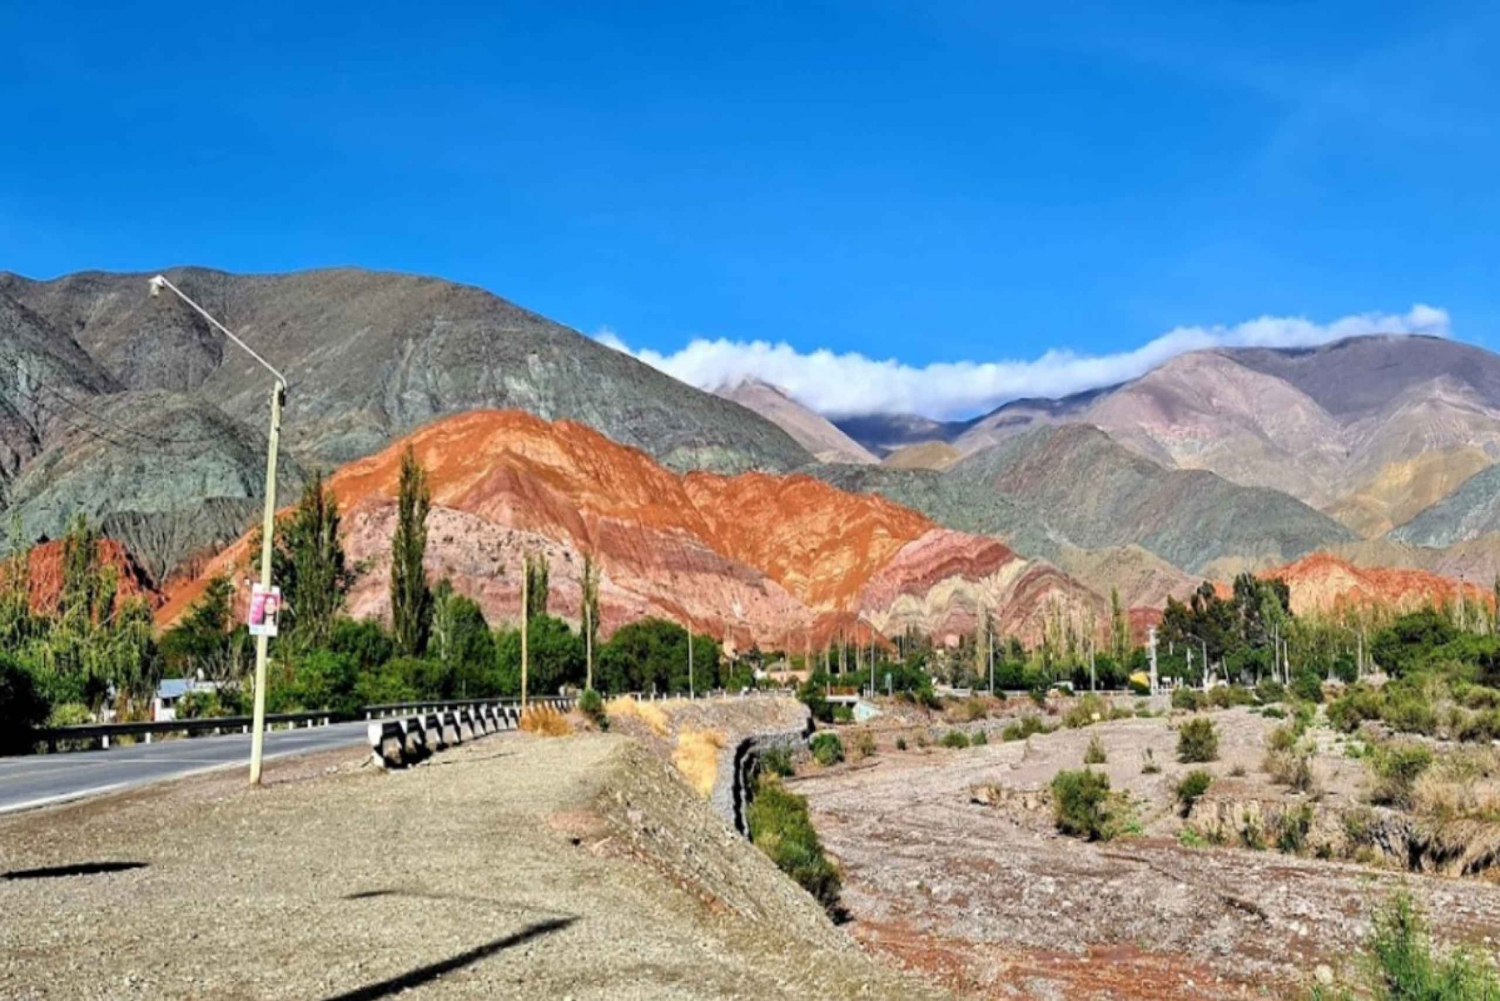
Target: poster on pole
point(265, 607)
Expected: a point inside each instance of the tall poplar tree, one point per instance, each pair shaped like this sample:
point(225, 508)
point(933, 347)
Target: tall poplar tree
point(411, 599)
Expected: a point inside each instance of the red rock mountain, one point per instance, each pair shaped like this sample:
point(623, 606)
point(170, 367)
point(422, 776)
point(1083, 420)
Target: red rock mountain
point(1321, 582)
point(781, 560)
point(45, 574)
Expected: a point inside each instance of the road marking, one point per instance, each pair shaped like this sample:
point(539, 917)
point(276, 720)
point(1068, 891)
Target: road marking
point(66, 797)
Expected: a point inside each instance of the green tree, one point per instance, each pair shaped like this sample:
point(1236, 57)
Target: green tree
point(1119, 627)
point(411, 599)
point(462, 643)
point(537, 588)
point(316, 578)
point(555, 655)
point(588, 616)
point(22, 707)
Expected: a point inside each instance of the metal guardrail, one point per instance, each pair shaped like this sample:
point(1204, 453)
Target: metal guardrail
point(102, 732)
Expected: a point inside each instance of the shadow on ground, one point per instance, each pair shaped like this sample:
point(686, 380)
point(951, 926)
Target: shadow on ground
point(424, 974)
point(76, 869)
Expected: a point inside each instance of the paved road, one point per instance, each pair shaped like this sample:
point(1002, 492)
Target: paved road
point(39, 779)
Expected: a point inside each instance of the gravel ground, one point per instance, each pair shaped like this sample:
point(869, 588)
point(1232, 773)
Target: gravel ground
point(983, 895)
point(516, 866)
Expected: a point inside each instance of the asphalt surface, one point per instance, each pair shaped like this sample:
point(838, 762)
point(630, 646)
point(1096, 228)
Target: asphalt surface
point(40, 779)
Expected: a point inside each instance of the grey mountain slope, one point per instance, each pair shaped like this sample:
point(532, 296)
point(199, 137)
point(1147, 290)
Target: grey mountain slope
point(371, 355)
point(1364, 373)
point(1072, 485)
point(1470, 511)
point(811, 430)
point(164, 435)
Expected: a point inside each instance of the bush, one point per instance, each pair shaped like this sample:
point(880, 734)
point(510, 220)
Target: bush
point(1402, 966)
point(1283, 738)
point(979, 739)
point(1187, 699)
point(1080, 804)
point(1359, 703)
point(900, 743)
point(843, 714)
point(1290, 767)
point(1022, 728)
point(1308, 687)
point(780, 826)
point(1397, 768)
point(1229, 696)
point(22, 707)
point(974, 709)
point(955, 739)
point(591, 704)
point(777, 761)
point(1292, 828)
point(826, 749)
point(1192, 787)
point(1197, 741)
point(1095, 755)
point(1086, 711)
point(864, 744)
point(1269, 691)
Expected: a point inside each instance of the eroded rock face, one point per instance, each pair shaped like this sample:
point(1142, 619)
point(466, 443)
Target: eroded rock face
point(775, 560)
point(45, 574)
point(1323, 583)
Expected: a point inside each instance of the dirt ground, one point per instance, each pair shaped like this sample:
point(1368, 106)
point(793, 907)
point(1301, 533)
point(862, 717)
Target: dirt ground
point(513, 867)
point(953, 866)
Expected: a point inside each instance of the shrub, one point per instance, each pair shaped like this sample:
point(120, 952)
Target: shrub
point(544, 721)
point(1237, 772)
point(1408, 710)
point(1292, 828)
point(777, 761)
point(1402, 966)
point(1095, 755)
point(826, 748)
point(1197, 741)
point(1269, 691)
point(979, 739)
point(864, 743)
point(973, 709)
point(1187, 699)
point(591, 704)
point(1022, 728)
point(955, 739)
point(900, 743)
point(1080, 804)
point(780, 826)
point(1192, 787)
point(1397, 768)
point(1273, 712)
point(1086, 711)
point(1308, 686)
point(1229, 696)
point(843, 714)
point(1359, 703)
point(1290, 767)
point(1283, 738)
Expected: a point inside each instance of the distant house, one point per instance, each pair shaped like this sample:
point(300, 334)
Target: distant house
point(170, 692)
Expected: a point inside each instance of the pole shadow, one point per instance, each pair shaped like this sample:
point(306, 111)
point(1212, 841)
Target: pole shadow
point(424, 974)
point(76, 869)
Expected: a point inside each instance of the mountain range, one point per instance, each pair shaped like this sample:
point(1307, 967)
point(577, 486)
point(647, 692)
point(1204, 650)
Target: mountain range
point(136, 413)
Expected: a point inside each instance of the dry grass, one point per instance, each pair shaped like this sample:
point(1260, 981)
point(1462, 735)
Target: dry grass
point(649, 713)
point(545, 721)
point(697, 758)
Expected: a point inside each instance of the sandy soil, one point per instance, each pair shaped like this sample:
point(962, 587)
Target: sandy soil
point(980, 892)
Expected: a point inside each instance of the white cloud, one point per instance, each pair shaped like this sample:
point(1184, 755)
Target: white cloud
point(840, 385)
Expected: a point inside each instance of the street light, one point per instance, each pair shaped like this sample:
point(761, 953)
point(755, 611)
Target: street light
point(268, 525)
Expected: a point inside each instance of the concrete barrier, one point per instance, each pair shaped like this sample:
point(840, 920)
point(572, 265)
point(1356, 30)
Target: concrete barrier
point(386, 743)
point(432, 726)
point(451, 734)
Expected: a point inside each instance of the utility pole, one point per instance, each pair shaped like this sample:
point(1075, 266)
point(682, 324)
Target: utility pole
point(588, 647)
point(692, 694)
point(268, 523)
point(525, 620)
point(1151, 641)
point(267, 533)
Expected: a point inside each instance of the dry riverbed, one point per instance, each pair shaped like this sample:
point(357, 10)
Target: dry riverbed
point(953, 866)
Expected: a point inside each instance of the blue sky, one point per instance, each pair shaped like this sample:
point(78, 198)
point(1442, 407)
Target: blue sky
point(928, 182)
